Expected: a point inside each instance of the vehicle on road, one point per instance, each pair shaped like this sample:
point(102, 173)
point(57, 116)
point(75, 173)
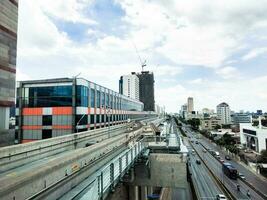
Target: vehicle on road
point(229, 170)
point(217, 153)
point(193, 152)
point(196, 142)
point(220, 197)
point(198, 161)
point(204, 150)
point(238, 187)
point(221, 160)
point(248, 193)
point(241, 176)
point(227, 157)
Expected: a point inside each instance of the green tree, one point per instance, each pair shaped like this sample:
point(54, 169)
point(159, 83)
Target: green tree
point(195, 122)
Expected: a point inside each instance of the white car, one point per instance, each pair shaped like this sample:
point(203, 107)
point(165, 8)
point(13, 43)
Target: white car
point(241, 176)
point(220, 197)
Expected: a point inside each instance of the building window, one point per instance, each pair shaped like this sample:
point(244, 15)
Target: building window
point(97, 118)
point(107, 99)
point(102, 99)
point(82, 119)
point(47, 96)
point(47, 120)
point(92, 97)
point(17, 121)
point(81, 96)
point(46, 133)
point(92, 119)
point(98, 99)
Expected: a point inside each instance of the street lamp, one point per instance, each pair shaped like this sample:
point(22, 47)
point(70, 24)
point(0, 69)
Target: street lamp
point(79, 122)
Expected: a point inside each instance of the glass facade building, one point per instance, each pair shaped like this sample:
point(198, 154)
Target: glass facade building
point(8, 52)
point(55, 107)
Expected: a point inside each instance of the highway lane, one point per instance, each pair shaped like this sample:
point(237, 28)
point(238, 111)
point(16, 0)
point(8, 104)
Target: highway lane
point(207, 188)
point(216, 167)
point(259, 182)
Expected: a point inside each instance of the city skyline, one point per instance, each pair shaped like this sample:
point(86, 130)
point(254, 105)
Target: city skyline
point(213, 58)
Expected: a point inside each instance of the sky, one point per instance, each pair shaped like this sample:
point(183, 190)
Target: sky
point(214, 51)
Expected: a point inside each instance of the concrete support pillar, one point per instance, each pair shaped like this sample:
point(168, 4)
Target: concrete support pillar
point(133, 192)
point(143, 192)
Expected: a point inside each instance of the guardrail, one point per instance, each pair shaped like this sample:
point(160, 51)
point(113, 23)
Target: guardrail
point(104, 180)
point(36, 151)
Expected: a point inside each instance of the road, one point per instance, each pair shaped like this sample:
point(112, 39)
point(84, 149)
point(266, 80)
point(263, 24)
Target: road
point(216, 168)
point(206, 187)
point(259, 182)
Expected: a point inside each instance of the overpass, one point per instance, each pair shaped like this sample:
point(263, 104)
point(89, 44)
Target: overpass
point(49, 168)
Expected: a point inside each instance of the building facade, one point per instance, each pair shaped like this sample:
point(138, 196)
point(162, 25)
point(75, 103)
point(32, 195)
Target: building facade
point(223, 113)
point(184, 111)
point(253, 137)
point(8, 54)
point(238, 118)
point(129, 86)
point(210, 123)
point(55, 107)
point(190, 104)
point(146, 90)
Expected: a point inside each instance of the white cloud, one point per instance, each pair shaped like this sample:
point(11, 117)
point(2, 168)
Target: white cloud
point(169, 36)
point(194, 32)
point(196, 81)
point(166, 70)
point(228, 72)
point(38, 35)
point(67, 10)
point(255, 53)
point(172, 97)
point(238, 93)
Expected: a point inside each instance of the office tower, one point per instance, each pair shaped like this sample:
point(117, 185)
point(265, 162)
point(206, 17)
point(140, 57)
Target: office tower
point(8, 54)
point(223, 112)
point(129, 86)
point(190, 104)
point(146, 90)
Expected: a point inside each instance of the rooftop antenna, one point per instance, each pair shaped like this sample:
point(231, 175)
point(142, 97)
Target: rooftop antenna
point(143, 63)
